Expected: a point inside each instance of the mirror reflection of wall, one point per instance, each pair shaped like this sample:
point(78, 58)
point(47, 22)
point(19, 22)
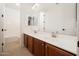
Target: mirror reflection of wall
point(42, 20)
point(32, 20)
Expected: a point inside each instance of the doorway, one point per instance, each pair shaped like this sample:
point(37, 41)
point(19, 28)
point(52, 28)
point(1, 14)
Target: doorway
point(9, 28)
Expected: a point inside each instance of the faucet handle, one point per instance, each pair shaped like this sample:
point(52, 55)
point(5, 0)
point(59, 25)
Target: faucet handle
point(53, 34)
point(56, 32)
point(35, 31)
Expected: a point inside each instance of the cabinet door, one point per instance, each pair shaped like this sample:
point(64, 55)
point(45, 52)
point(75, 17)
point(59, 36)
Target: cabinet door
point(51, 50)
point(25, 40)
point(39, 48)
point(30, 44)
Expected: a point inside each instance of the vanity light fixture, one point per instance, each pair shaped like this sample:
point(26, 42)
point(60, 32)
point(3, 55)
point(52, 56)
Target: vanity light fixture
point(35, 6)
point(17, 4)
point(57, 3)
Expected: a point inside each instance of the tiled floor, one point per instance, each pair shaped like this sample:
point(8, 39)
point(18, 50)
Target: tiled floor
point(14, 49)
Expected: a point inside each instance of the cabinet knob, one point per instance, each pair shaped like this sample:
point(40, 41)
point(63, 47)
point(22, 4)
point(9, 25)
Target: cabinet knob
point(46, 46)
point(42, 44)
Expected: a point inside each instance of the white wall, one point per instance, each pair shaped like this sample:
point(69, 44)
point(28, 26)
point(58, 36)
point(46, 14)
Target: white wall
point(78, 25)
point(12, 22)
point(78, 19)
point(62, 16)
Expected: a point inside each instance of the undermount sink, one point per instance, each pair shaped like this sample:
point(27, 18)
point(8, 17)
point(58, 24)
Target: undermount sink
point(35, 31)
point(47, 35)
point(54, 36)
point(60, 36)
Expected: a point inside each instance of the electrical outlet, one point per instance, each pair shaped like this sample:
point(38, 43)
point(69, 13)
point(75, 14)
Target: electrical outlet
point(78, 43)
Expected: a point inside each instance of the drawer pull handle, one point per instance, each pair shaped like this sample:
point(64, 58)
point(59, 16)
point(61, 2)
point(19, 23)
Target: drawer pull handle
point(46, 46)
point(42, 44)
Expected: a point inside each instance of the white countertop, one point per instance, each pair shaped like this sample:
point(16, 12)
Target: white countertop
point(65, 42)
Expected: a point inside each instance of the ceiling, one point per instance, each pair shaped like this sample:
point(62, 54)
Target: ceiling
point(42, 6)
point(28, 6)
point(12, 5)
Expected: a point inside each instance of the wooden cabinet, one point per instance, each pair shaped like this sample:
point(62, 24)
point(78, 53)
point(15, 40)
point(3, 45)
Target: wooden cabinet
point(51, 50)
point(25, 40)
point(30, 44)
point(39, 48)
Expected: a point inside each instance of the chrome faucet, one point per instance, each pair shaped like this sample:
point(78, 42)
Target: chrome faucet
point(53, 34)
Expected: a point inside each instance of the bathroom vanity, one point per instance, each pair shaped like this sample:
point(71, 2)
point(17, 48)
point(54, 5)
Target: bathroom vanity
point(42, 44)
point(58, 18)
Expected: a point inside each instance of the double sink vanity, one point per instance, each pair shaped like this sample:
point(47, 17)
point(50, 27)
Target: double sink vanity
point(43, 44)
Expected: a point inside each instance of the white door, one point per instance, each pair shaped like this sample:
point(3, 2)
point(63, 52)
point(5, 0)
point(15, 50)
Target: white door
point(10, 23)
point(1, 28)
point(12, 26)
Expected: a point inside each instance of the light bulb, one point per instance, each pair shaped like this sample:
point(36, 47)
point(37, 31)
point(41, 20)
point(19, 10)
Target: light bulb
point(17, 4)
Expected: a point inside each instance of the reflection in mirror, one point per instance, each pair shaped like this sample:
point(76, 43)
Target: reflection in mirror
point(42, 20)
point(32, 20)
